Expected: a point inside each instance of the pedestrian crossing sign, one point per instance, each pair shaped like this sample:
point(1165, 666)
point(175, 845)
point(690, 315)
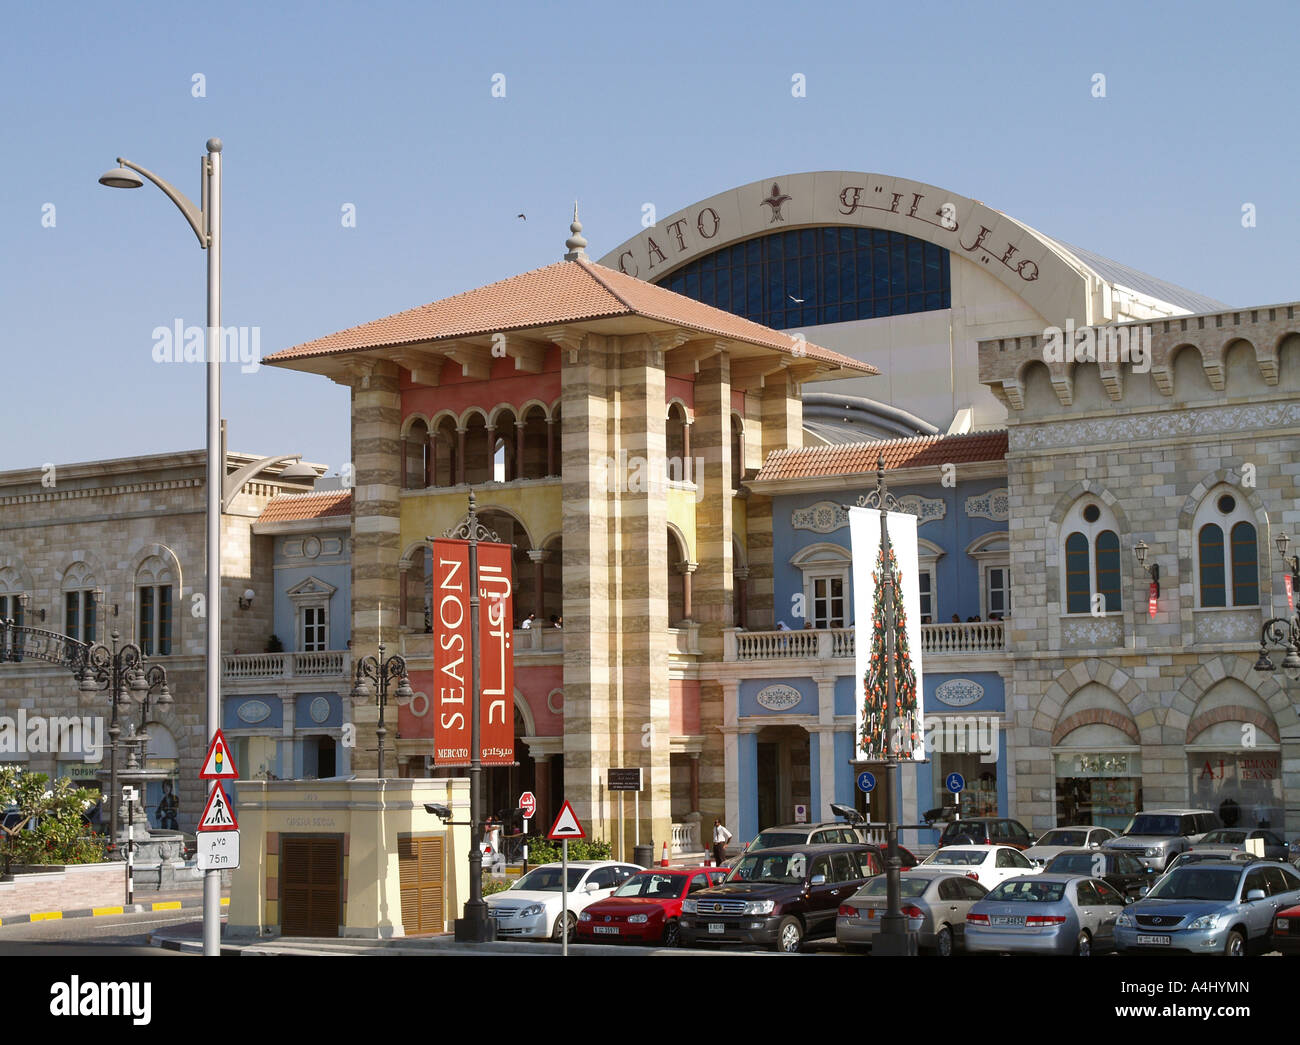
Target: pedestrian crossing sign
point(218, 814)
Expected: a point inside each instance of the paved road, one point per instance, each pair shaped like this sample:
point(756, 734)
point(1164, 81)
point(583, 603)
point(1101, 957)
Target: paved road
point(114, 934)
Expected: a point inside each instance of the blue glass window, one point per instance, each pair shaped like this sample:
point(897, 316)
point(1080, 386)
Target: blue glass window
point(1077, 587)
point(1108, 569)
point(1213, 592)
point(838, 274)
point(1245, 566)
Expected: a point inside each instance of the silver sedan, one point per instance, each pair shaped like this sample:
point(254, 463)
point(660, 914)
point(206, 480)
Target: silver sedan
point(1046, 914)
point(934, 903)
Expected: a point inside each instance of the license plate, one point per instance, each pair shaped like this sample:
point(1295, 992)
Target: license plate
point(1166, 940)
point(1007, 919)
point(717, 927)
point(608, 930)
point(871, 912)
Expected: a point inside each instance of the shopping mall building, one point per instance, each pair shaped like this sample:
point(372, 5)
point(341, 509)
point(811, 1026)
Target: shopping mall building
point(668, 437)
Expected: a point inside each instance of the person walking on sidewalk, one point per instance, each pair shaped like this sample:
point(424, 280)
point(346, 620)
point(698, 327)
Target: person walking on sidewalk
point(721, 836)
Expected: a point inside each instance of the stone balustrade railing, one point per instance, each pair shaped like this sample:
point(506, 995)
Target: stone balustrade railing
point(839, 643)
point(314, 664)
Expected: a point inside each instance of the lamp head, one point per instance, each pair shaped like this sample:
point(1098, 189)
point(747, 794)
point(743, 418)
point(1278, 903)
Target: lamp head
point(299, 472)
point(1140, 550)
point(1263, 664)
point(121, 178)
point(442, 812)
point(165, 697)
point(404, 691)
point(1282, 540)
point(361, 691)
point(1291, 662)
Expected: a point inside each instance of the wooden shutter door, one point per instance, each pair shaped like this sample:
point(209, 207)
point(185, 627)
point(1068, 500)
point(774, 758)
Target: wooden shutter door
point(311, 875)
point(419, 862)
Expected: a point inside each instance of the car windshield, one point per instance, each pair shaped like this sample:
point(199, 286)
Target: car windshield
point(1075, 863)
point(908, 888)
point(776, 839)
point(1197, 883)
point(1063, 838)
point(1225, 838)
point(774, 867)
point(956, 857)
point(1028, 892)
point(653, 885)
point(1152, 824)
point(547, 879)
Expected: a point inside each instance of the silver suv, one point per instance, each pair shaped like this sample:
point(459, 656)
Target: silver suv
point(1157, 836)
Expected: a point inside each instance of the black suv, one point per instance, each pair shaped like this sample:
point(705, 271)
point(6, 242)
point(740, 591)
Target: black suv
point(780, 897)
point(986, 830)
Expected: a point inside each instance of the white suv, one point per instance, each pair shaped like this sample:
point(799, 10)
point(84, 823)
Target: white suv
point(1157, 836)
point(532, 907)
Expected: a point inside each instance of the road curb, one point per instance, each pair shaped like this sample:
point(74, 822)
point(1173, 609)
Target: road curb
point(105, 912)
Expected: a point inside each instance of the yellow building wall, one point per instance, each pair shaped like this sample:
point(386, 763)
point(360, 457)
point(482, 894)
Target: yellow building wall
point(681, 513)
point(738, 521)
point(539, 505)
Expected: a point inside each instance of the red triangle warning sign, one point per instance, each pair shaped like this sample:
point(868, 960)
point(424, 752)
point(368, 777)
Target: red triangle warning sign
point(566, 825)
point(218, 765)
point(218, 814)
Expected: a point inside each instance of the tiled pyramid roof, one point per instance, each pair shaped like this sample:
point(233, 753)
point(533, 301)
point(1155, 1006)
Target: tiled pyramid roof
point(292, 507)
point(933, 450)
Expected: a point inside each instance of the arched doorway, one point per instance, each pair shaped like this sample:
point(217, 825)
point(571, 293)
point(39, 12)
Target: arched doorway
point(784, 775)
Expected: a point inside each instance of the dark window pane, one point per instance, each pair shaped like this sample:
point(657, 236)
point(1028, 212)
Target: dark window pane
point(1245, 566)
point(1210, 541)
point(1077, 588)
point(1108, 569)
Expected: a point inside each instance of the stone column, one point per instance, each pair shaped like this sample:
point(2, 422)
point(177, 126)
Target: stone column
point(431, 449)
point(695, 783)
point(460, 456)
point(742, 584)
point(686, 569)
point(538, 556)
point(404, 452)
point(519, 457)
point(686, 448)
point(491, 431)
point(403, 592)
point(376, 508)
point(550, 447)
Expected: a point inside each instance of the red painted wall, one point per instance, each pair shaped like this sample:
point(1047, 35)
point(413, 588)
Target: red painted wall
point(506, 385)
point(533, 684)
point(684, 706)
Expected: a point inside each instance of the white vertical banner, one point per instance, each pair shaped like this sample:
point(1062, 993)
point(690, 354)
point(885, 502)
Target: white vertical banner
point(864, 531)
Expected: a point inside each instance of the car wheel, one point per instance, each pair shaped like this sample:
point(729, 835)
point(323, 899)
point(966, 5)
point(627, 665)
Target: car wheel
point(943, 942)
point(1083, 946)
point(672, 935)
point(1235, 946)
point(789, 935)
point(558, 932)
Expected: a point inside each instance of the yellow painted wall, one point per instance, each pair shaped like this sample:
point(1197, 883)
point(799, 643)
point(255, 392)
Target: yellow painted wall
point(681, 513)
point(739, 522)
point(538, 504)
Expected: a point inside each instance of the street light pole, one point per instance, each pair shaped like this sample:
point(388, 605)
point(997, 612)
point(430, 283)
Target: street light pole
point(381, 672)
point(206, 223)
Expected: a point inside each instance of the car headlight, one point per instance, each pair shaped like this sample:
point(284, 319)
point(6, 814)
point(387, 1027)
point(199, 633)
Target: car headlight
point(1124, 919)
point(531, 911)
point(1205, 921)
point(688, 906)
point(585, 916)
point(1151, 850)
point(760, 907)
point(639, 919)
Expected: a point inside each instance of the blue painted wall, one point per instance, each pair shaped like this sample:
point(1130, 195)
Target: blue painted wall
point(332, 569)
point(956, 575)
point(747, 703)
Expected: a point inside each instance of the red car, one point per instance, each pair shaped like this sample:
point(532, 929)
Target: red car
point(646, 907)
point(1286, 931)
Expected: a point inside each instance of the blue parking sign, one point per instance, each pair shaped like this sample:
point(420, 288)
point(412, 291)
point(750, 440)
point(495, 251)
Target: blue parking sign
point(866, 782)
point(956, 783)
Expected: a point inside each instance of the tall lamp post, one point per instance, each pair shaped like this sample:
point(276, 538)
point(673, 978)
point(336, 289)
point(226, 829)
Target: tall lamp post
point(121, 671)
point(205, 220)
point(894, 937)
point(380, 673)
point(1283, 633)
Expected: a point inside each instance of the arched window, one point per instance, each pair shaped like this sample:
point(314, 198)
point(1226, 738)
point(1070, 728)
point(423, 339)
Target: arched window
point(153, 601)
point(1227, 550)
point(1090, 560)
point(79, 603)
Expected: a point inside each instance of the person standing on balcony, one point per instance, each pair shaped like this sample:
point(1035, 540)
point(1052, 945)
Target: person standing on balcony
point(721, 836)
point(528, 621)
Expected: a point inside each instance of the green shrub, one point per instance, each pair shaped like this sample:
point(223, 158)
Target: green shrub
point(542, 851)
point(494, 885)
point(60, 835)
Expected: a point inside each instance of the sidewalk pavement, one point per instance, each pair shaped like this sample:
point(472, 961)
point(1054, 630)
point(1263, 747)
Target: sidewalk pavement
point(166, 902)
point(188, 938)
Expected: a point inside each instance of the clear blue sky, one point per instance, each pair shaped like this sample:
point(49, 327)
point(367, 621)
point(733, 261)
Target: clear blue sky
point(388, 106)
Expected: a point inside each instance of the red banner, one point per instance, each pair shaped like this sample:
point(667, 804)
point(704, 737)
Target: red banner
point(1151, 600)
point(451, 653)
point(1290, 595)
point(497, 657)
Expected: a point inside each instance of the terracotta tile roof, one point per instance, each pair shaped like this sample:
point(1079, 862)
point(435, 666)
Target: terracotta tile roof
point(564, 292)
point(291, 507)
point(927, 450)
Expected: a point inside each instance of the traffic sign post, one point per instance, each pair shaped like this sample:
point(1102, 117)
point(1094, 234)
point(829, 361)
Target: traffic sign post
point(217, 814)
point(217, 764)
point(218, 850)
point(956, 783)
point(866, 782)
point(621, 780)
point(527, 806)
point(566, 826)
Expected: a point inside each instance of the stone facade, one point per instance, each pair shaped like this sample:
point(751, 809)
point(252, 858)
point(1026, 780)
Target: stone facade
point(1217, 414)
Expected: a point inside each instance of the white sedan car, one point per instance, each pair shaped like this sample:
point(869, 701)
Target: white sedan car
point(532, 907)
point(990, 865)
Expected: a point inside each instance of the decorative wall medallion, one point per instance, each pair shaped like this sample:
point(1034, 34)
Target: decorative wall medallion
point(778, 698)
point(992, 505)
point(253, 711)
point(822, 517)
point(311, 547)
point(958, 693)
point(293, 548)
point(319, 710)
point(776, 200)
point(555, 701)
point(926, 509)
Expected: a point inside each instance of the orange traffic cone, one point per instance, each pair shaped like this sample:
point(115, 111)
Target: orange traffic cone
point(663, 861)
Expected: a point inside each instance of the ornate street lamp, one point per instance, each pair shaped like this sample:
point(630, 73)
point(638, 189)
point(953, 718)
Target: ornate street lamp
point(1283, 633)
point(122, 672)
point(373, 677)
